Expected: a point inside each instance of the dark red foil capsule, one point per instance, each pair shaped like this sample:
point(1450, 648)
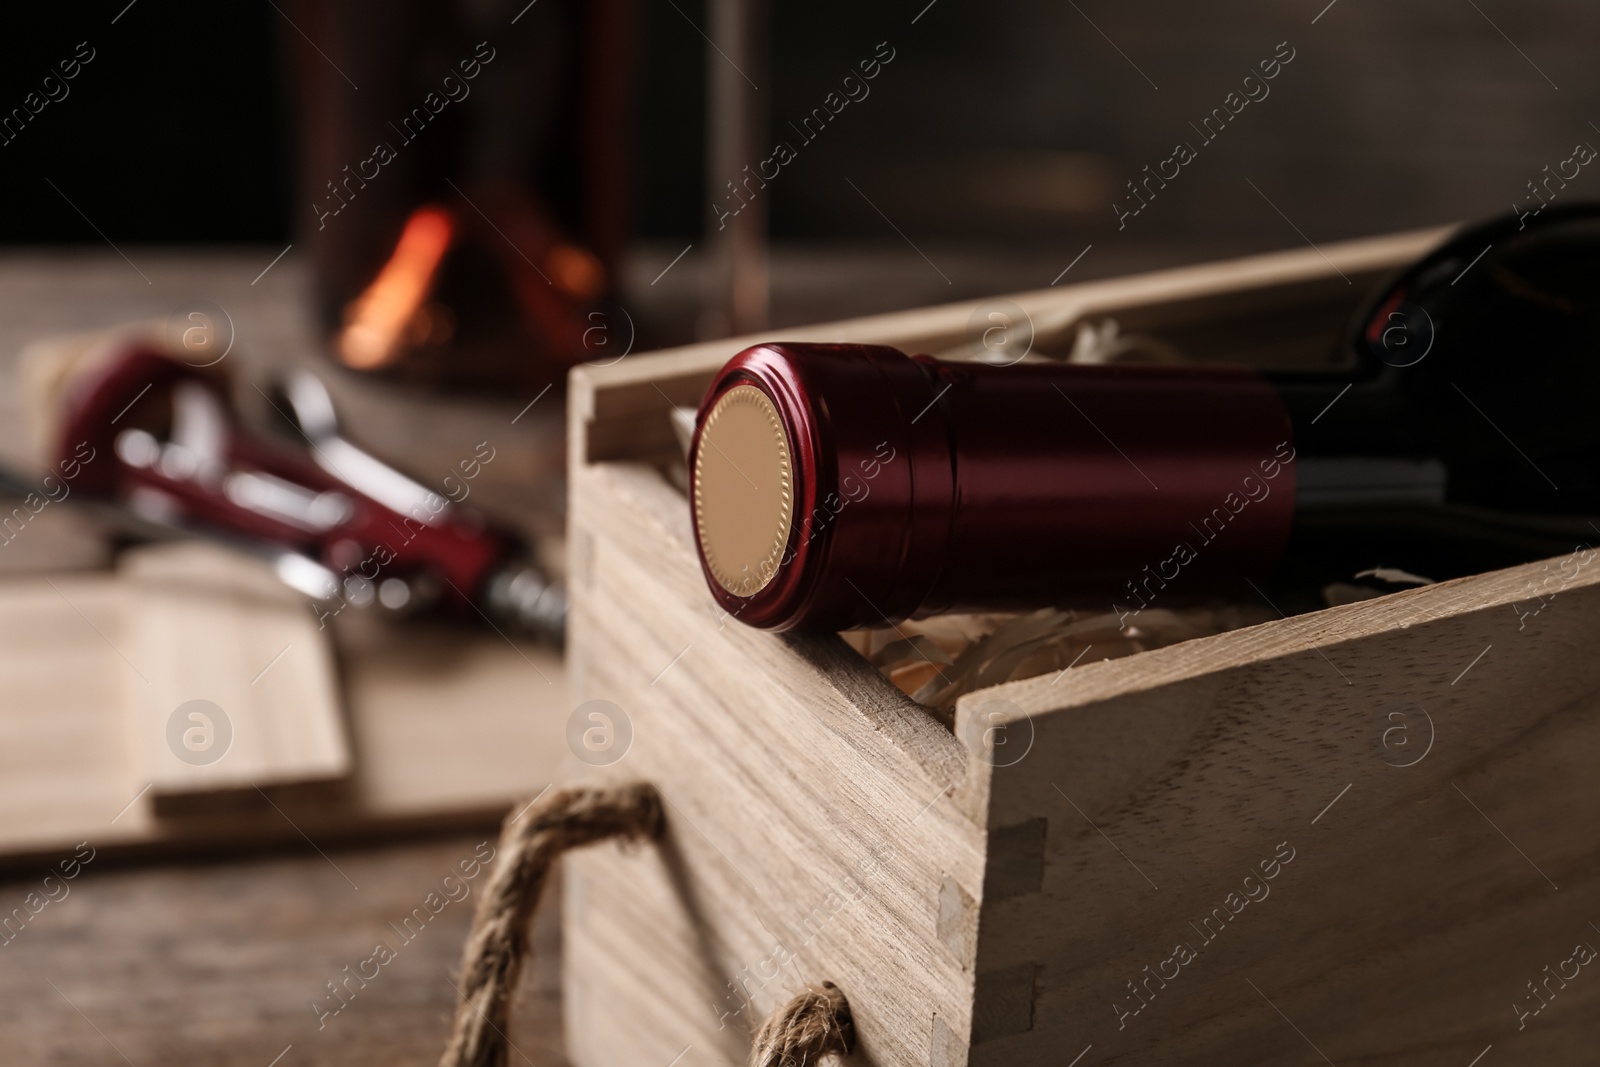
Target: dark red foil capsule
point(837, 486)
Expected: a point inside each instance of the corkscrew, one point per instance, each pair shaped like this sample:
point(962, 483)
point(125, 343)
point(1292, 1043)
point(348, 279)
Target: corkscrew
point(337, 523)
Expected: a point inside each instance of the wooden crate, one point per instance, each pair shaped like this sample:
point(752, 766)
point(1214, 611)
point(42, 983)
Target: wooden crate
point(1211, 852)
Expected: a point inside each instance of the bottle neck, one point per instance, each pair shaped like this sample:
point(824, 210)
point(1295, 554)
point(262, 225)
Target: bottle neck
point(1324, 483)
point(1361, 412)
point(1356, 447)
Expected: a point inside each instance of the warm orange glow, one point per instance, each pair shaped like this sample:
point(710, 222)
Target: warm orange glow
point(575, 271)
point(376, 322)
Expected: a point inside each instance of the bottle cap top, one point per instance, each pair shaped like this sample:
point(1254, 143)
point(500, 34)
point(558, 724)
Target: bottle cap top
point(743, 490)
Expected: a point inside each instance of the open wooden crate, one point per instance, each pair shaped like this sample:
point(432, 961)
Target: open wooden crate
point(1214, 852)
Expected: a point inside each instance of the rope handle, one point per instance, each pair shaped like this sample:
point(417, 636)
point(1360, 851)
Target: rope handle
point(814, 1024)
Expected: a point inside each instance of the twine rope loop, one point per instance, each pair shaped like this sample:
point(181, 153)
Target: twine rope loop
point(813, 1025)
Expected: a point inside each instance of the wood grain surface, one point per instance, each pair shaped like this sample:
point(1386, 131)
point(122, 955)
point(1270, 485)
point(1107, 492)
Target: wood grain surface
point(1426, 759)
point(207, 624)
point(807, 806)
point(440, 726)
point(217, 962)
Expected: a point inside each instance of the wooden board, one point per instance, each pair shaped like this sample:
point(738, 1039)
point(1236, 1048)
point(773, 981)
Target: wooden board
point(795, 779)
point(448, 726)
point(1425, 757)
point(823, 827)
point(445, 726)
point(216, 633)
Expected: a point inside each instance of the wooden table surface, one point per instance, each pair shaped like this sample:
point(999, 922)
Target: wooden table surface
point(216, 962)
point(216, 958)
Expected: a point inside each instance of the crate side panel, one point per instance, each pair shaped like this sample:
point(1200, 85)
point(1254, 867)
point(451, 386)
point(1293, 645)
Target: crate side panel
point(813, 828)
point(617, 411)
point(1415, 774)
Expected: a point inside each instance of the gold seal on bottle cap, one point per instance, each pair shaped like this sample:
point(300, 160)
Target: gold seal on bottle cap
point(743, 490)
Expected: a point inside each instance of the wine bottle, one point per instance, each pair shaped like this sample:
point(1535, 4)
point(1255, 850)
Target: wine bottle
point(835, 486)
point(1480, 363)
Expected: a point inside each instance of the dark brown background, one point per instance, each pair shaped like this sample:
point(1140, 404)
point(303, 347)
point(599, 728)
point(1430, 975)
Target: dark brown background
point(1002, 127)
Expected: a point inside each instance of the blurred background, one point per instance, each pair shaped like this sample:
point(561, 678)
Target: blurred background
point(994, 143)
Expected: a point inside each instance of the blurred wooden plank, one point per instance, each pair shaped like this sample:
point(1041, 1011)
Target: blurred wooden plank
point(64, 767)
point(237, 687)
point(445, 726)
point(55, 538)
